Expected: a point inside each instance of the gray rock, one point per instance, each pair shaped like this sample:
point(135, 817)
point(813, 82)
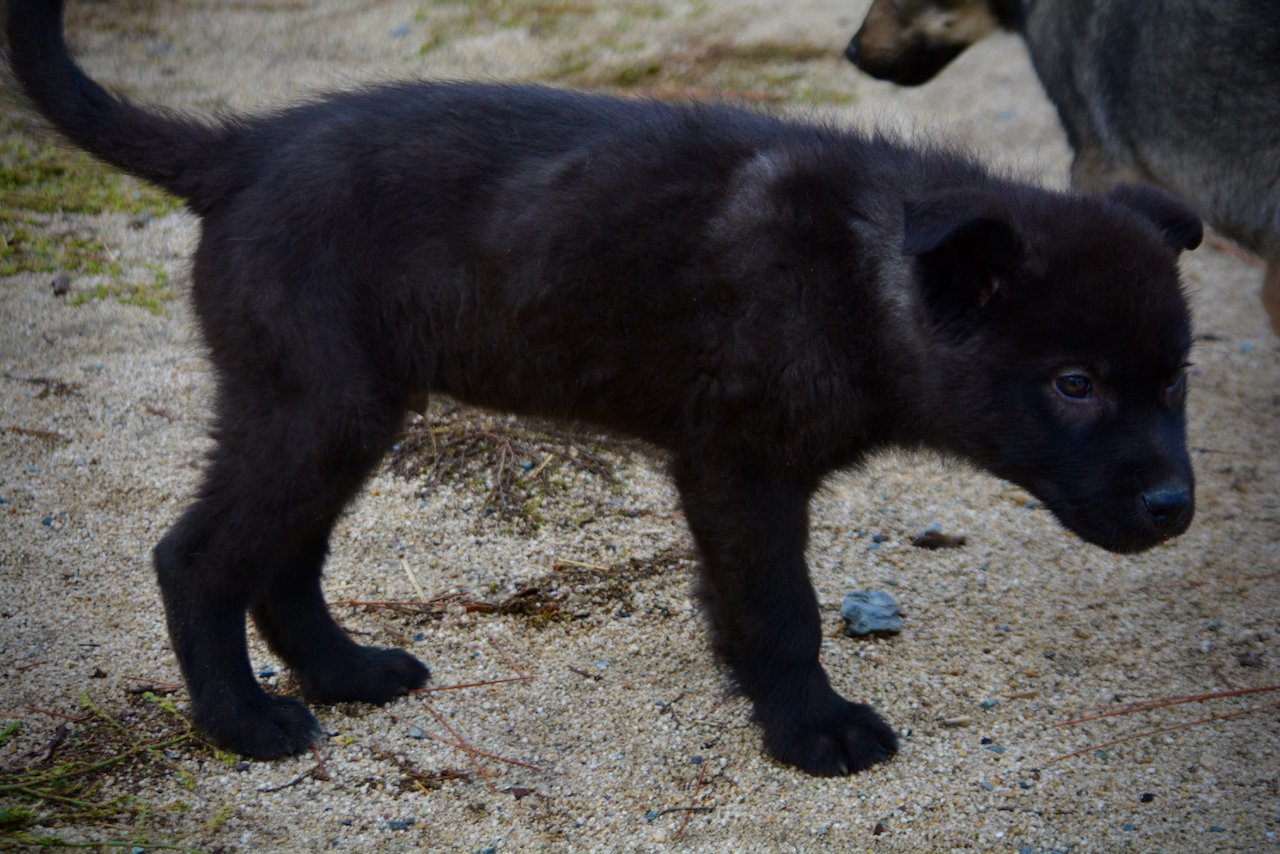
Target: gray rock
point(870, 612)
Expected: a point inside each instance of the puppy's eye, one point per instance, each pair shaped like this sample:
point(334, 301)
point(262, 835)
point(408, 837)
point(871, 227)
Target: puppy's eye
point(1177, 387)
point(1074, 386)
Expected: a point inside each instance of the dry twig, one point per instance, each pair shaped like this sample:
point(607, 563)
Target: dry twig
point(1162, 702)
point(1221, 716)
point(689, 810)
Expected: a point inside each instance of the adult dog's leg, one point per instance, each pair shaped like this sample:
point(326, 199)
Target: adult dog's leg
point(752, 530)
point(284, 466)
point(1271, 293)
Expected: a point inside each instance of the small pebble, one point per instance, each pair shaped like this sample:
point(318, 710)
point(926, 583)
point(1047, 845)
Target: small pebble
point(400, 31)
point(934, 538)
point(61, 285)
point(400, 823)
point(870, 611)
point(959, 720)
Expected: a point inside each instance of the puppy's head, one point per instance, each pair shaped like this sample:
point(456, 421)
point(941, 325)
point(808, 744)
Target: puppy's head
point(909, 41)
point(1057, 339)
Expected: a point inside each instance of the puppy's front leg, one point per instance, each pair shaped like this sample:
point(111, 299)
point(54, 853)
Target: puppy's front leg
point(752, 529)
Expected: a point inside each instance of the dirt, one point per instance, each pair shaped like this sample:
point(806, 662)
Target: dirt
point(554, 575)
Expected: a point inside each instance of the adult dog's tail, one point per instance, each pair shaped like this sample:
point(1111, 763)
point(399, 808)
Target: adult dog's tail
point(179, 153)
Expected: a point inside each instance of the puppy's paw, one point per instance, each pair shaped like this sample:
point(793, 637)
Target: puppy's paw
point(839, 738)
point(264, 727)
point(364, 674)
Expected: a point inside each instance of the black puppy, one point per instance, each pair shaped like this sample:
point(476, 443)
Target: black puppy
point(765, 301)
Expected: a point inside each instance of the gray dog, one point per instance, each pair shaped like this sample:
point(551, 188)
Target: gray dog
point(1180, 93)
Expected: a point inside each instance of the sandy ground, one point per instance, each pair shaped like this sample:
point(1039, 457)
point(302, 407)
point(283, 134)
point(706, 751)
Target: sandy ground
point(613, 703)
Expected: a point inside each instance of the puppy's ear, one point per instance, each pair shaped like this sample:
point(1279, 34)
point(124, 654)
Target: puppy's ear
point(966, 246)
point(1178, 224)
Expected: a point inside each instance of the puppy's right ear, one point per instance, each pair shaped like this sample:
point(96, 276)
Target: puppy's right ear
point(966, 246)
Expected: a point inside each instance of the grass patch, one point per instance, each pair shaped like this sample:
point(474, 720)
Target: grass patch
point(40, 178)
point(151, 294)
point(26, 248)
point(92, 773)
point(40, 175)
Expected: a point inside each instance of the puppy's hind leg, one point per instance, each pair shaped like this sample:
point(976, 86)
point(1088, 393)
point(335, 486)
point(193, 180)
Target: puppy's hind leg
point(332, 668)
point(285, 464)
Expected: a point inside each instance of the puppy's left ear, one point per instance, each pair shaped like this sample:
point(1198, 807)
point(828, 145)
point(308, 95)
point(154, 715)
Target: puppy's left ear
point(966, 245)
point(1178, 224)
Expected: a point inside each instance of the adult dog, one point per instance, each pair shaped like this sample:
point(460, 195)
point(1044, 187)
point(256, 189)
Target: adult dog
point(1185, 95)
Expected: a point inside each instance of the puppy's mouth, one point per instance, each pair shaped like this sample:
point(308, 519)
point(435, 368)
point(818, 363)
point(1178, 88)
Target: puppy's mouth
point(1129, 525)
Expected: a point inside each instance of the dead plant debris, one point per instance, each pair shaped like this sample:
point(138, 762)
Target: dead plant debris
point(513, 463)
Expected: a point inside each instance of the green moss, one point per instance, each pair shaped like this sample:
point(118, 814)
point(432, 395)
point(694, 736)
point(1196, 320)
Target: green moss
point(38, 175)
point(153, 294)
point(40, 178)
point(24, 248)
point(636, 75)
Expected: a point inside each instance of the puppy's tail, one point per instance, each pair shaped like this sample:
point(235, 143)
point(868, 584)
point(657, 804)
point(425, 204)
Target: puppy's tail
point(175, 152)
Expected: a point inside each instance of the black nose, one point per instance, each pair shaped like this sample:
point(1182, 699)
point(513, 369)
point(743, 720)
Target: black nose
point(1168, 507)
point(851, 52)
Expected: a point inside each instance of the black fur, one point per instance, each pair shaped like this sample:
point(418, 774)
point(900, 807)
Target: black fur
point(764, 301)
